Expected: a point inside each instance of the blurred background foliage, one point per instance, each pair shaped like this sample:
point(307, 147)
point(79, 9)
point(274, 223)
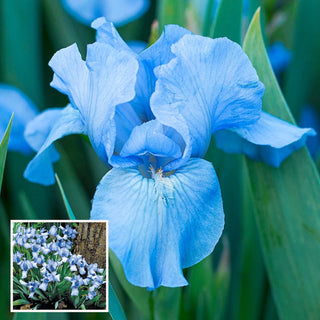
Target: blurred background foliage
point(242, 279)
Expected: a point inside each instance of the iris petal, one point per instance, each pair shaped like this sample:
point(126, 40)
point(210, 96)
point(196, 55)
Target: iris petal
point(210, 85)
point(95, 87)
point(159, 226)
point(150, 138)
point(14, 101)
point(270, 139)
point(67, 121)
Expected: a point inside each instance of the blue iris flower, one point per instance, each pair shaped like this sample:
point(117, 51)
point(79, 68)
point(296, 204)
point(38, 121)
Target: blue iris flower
point(32, 286)
point(76, 282)
point(14, 101)
point(17, 257)
point(119, 11)
point(279, 57)
point(53, 231)
point(151, 117)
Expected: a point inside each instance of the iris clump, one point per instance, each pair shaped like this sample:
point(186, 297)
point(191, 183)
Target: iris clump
point(150, 116)
point(51, 274)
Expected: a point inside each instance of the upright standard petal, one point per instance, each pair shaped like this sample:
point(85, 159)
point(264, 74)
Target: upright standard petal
point(61, 122)
point(118, 11)
point(160, 225)
point(96, 87)
point(14, 101)
point(157, 54)
point(270, 139)
point(210, 85)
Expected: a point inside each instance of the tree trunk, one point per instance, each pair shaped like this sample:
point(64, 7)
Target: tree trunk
point(91, 242)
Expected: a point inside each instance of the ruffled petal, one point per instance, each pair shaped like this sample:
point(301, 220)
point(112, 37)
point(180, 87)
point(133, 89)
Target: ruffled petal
point(107, 33)
point(159, 226)
point(118, 11)
point(210, 85)
point(270, 139)
point(61, 123)
point(158, 53)
point(150, 138)
point(14, 101)
point(95, 87)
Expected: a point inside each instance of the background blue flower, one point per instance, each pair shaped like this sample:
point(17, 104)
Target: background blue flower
point(119, 12)
point(12, 100)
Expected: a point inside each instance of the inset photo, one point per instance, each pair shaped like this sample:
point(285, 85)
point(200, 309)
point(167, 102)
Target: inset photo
point(59, 266)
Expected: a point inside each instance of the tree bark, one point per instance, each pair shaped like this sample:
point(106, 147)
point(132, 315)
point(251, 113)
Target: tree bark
point(91, 242)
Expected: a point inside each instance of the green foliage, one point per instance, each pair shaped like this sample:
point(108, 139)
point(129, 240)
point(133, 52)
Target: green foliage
point(302, 81)
point(170, 11)
point(3, 150)
point(65, 200)
point(229, 19)
point(287, 207)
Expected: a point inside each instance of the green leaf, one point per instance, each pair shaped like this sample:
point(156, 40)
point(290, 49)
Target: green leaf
point(3, 149)
point(287, 203)
point(170, 11)
point(302, 85)
point(20, 302)
point(228, 20)
point(30, 316)
point(167, 303)
point(139, 296)
point(65, 200)
point(20, 22)
point(208, 18)
point(115, 308)
point(206, 296)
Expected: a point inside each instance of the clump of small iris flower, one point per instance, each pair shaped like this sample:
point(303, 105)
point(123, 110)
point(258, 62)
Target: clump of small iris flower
point(153, 126)
point(42, 268)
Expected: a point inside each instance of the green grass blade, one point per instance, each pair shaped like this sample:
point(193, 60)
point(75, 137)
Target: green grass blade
point(228, 20)
point(30, 316)
point(170, 11)
point(115, 308)
point(21, 32)
point(65, 200)
point(302, 85)
point(140, 297)
point(287, 203)
point(3, 150)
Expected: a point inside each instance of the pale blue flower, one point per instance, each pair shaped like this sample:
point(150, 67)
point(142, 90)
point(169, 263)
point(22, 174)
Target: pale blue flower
point(81, 263)
point(51, 265)
point(32, 286)
point(153, 125)
point(48, 277)
point(25, 265)
point(53, 231)
point(38, 259)
point(119, 12)
point(16, 257)
point(73, 261)
point(76, 282)
point(64, 253)
point(92, 293)
point(14, 101)
point(279, 57)
point(93, 268)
